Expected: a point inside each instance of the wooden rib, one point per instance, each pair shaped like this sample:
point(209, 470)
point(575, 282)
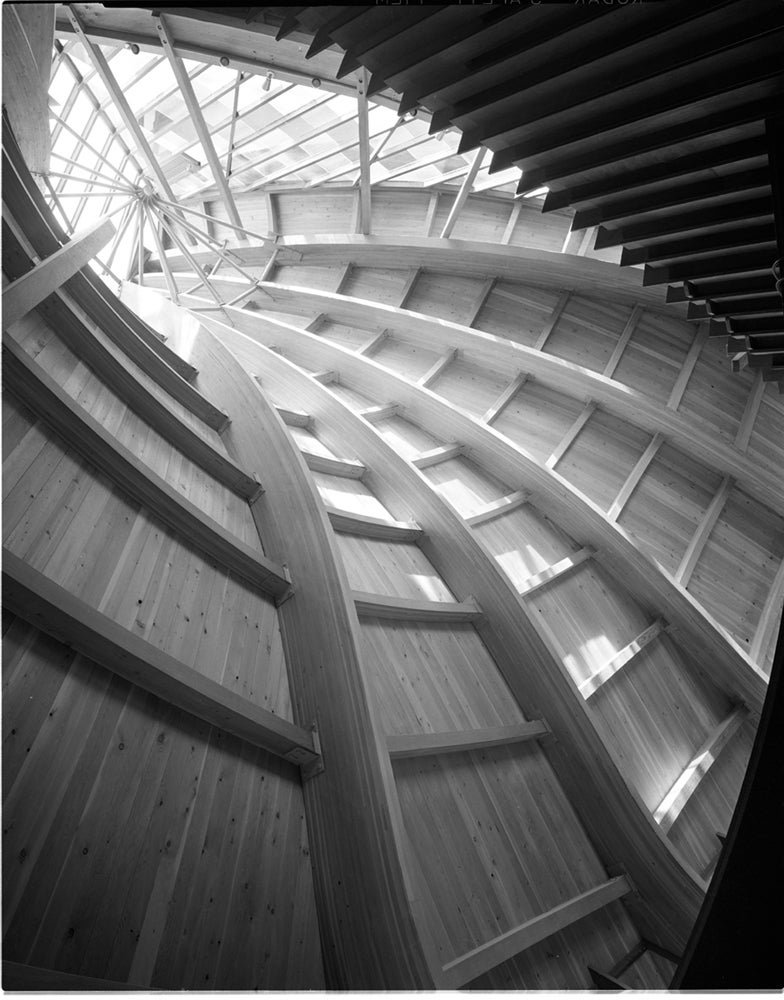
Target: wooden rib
point(438, 368)
point(82, 432)
point(462, 194)
point(514, 215)
point(571, 434)
point(408, 609)
point(497, 508)
point(373, 414)
point(671, 806)
point(468, 967)
point(50, 608)
point(346, 468)
point(700, 537)
point(623, 340)
point(24, 294)
point(294, 418)
point(700, 339)
point(750, 412)
point(373, 527)
point(370, 346)
point(505, 398)
point(621, 659)
point(364, 153)
point(555, 315)
point(634, 478)
point(558, 569)
point(481, 297)
point(437, 455)
point(770, 617)
point(427, 744)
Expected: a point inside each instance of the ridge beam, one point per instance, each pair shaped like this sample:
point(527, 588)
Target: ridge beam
point(571, 435)
point(497, 508)
point(699, 539)
point(621, 659)
point(405, 746)
point(633, 480)
point(85, 434)
point(351, 523)
point(505, 398)
point(29, 290)
point(468, 967)
point(50, 608)
point(294, 418)
point(671, 806)
point(442, 453)
point(407, 609)
point(555, 571)
point(437, 369)
point(346, 468)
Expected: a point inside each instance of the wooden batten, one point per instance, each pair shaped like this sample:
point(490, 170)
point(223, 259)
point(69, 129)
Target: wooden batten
point(410, 610)
point(621, 659)
point(771, 615)
point(427, 744)
point(373, 414)
point(634, 478)
point(750, 412)
point(443, 453)
point(555, 571)
point(468, 967)
point(696, 349)
point(623, 340)
point(671, 806)
point(370, 346)
point(571, 435)
point(438, 368)
point(549, 326)
point(699, 539)
point(294, 418)
point(373, 527)
point(497, 508)
point(505, 398)
point(49, 607)
point(344, 467)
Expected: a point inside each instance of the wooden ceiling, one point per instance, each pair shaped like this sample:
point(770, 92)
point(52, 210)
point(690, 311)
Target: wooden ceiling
point(659, 123)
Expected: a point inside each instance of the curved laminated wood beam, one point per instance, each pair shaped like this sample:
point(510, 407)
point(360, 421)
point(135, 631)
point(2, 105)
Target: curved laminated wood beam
point(368, 936)
point(729, 665)
point(29, 289)
point(691, 434)
point(67, 418)
point(52, 609)
point(623, 829)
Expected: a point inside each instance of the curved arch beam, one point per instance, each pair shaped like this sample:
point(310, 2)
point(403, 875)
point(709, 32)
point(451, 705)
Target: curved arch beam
point(623, 830)
point(368, 936)
point(723, 659)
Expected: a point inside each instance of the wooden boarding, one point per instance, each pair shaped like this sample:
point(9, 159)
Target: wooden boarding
point(373, 527)
point(674, 801)
point(294, 418)
point(443, 453)
point(555, 571)
point(505, 398)
point(87, 436)
point(49, 607)
point(699, 539)
point(427, 744)
point(571, 435)
point(621, 659)
point(497, 508)
point(28, 291)
point(345, 467)
point(634, 478)
point(468, 967)
point(410, 610)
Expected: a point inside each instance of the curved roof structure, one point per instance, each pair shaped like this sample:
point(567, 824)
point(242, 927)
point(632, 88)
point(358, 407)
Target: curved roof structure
point(392, 581)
